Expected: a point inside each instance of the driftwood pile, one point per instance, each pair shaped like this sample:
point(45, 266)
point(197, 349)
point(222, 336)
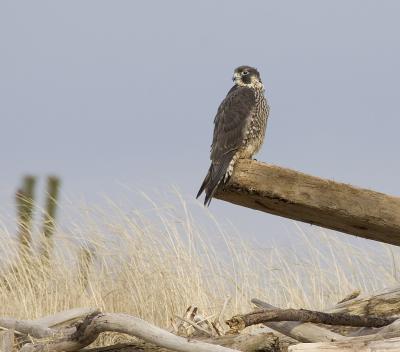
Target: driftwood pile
point(355, 324)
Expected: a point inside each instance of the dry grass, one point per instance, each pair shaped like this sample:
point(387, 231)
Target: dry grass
point(155, 263)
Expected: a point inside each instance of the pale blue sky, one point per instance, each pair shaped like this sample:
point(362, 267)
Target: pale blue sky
point(110, 92)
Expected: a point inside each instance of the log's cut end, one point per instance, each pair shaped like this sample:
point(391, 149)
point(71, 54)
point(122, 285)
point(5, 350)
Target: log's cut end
point(298, 196)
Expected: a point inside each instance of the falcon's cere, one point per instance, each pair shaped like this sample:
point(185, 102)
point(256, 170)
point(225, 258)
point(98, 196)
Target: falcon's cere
point(239, 128)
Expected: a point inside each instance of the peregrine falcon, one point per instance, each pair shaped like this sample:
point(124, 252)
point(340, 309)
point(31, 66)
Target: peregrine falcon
point(239, 128)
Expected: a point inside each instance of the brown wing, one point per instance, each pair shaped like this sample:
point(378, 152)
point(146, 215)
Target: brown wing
point(231, 121)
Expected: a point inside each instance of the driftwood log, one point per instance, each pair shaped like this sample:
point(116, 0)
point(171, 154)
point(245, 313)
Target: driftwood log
point(314, 200)
point(154, 339)
point(94, 324)
point(41, 328)
point(248, 342)
point(303, 332)
point(239, 322)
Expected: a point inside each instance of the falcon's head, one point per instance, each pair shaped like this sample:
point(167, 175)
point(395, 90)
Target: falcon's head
point(247, 76)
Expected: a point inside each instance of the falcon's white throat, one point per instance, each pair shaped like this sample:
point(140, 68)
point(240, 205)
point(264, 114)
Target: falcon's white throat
point(255, 83)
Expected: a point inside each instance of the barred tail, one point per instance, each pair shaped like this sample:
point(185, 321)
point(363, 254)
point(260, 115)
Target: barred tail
point(216, 174)
point(204, 184)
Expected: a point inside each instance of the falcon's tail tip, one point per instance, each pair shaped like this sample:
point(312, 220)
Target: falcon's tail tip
point(216, 174)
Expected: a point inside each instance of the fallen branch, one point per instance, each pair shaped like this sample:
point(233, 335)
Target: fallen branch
point(26, 327)
point(41, 328)
point(247, 342)
point(239, 322)
point(303, 332)
point(67, 316)
point(93, 325)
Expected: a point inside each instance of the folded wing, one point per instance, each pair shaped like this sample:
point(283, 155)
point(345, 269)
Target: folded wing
point(230, 126)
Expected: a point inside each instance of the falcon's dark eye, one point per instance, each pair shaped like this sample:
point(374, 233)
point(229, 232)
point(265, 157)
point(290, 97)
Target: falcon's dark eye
point(244, 73)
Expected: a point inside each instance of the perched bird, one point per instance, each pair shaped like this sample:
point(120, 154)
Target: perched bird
point(239, 128)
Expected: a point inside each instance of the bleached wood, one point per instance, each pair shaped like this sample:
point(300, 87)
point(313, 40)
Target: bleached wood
point(388, 345)
point(40, 328)
point(295, 195)
point(126, 324)
point(382, 303)
point(385, 339)
point(64, 317)
point(73, 338)
point(247, 342)
point(385, 302)
point(27, 327)
point(195, 326)
point(303, 332)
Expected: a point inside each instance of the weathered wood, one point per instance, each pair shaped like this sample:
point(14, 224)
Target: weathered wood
point(246, 342)
point(83, 333)
point(64, 317)
point(27, 327)
point(239, 322)
point(385, 339)
point(41, 328)
point(295, 195)
point(95, 324)
point(388, 345)
point(195, 326)
point(126, 347)
point(303, 332)
point(6, 341)
point(383, 303)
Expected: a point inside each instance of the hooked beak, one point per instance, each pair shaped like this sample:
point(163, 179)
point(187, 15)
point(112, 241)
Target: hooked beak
point(235, 76)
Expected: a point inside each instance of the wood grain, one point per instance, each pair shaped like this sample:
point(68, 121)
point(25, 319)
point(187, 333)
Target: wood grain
point(295, 195)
